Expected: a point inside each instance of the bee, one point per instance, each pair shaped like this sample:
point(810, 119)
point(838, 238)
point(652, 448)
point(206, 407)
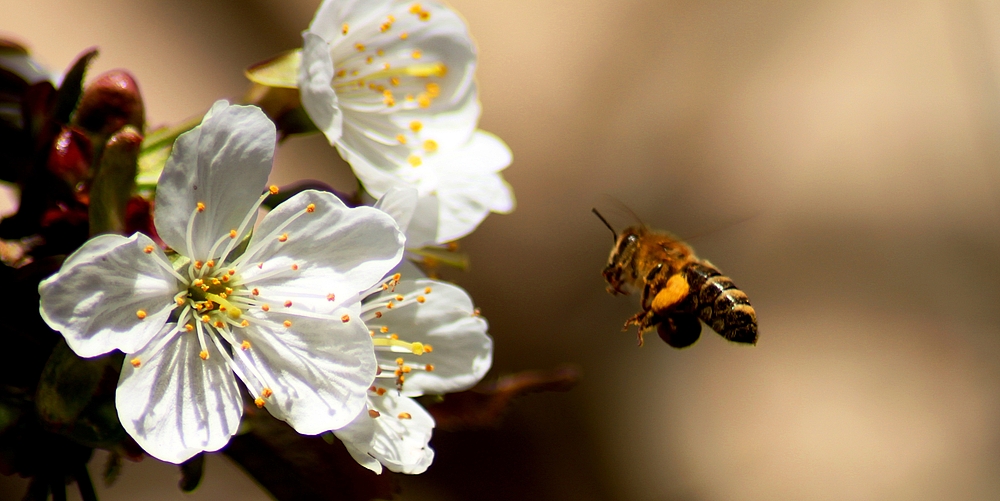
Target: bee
point(678, 289)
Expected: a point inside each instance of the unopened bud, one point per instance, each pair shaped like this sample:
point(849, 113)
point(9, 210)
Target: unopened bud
point(71, 157)
point(113, 184)
point(109, 103)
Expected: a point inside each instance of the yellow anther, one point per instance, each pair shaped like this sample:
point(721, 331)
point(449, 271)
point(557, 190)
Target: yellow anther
point(198, 265)
point(416, 8)
point(429, 367)
point(385, 66)
point(421, 299)
point(265, 307)
point(225, 278)
point(388, 305)
point(417, 348)
point(424, 16)
point(360, 46)
point(424, 100)
point(272, 189)
point(380, 391)
point(430, 146)
point(283, 237)
point(433, 89)
point(428, 348)
point(414, 160)
point(389, 101)
point(372, 413)
point(381, 52)
point(203, 355)
point(385, 27)
point(394, 81)
point(141, 314)
point(344, 29)
point(399, 361)
point(148, 249)
point(399, 298)
point(266, 393)
point(259, 402)
point(189, 327)
point(216, 281)
point(384, 329)
point(244, 323)
point(311, 208)
point(378, 314)
point(232, 233)
point(406, 369)
point(331, 296)
point(401, 138)
point(135, 362)
point(287, 323)
point(405, 415)
point(341, 73)
point(345, 318)
point(396, 277)
point(404, 35)
point(427, 290)
point(369, 59)
point(205, 319)
point(288, 304)
point(255, 291)
point(198, 282)
point(210, 263)
point(219, 324)
point(200, 207)
point(245, 345)
point(417, 54)
point(394, 336)
point(180, 301)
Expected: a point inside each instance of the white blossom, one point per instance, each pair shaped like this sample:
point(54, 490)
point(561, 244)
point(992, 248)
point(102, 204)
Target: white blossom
point(283, 315)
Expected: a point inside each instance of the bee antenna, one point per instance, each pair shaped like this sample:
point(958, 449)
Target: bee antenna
point(614, 234)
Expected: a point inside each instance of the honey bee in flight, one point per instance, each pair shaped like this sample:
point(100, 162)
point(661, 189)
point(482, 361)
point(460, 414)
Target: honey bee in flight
point(677, 287)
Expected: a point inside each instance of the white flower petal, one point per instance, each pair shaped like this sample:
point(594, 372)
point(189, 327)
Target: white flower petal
point(95, 298)
point(335, 249)
point(175, 404)
point(357, 437)
point(332, 14)
point(318, 98)
point(223, 163)
point(400, 202)
point(319, 369)
point(462, 351)
point(402, 433)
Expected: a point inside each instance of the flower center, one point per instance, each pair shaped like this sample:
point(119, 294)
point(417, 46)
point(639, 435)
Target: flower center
point(395, 355)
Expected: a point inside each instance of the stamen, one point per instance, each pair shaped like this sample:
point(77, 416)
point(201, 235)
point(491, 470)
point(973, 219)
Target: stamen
point(344, 29)
point(135, 362)
point(345, 318)
point(148, 249)
point(373, 413)
point(141, 314)
point(405, 415)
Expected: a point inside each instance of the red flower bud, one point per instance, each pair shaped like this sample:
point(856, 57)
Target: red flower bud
point(109, 103)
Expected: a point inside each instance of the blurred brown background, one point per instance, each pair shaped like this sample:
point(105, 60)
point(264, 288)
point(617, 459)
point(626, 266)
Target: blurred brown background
point(840, 160)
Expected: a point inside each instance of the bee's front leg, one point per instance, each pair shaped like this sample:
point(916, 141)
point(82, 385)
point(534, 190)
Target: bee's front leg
point(666, 294)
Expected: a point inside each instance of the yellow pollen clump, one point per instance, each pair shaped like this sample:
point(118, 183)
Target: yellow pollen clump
point(331, 296)
point(360, 46)
point(266, 393)
point(259, 402)
point(200, 207)
point(385, 27)
point(245, 345)
point(427, 290)
point(210, 263)
point(406, 369)
point(424, 16)
point(148, 249)
point(345, 318)
point(141, 314)
point(388, 305)
point(378, 314)
point(401, 138)
point(433, 89)
point(369, 59)
point(430, 146)
point(341, 73)
point(189, 327)
point(265, 307)
point(255, 291)
point(421, 299)
point(428, 348)
point(372, 413)
point(415, 126)
point(287, 323)
point(283, 237)
point(416, 8)
point(429, 368)
point(135, 362)
point(399, 361)
point(417, 349)
point(344, 29)
point(380, 52)
point(417, 54)
point(404, 35)
point(424, 100)
point(244, 323)
point(205, 319)
point(198, 265)
point(294, 266)
point(394, 81)
point(232, 233)
point(288, 304)
point(399, 298)
point(385, 66)
point(394, 336)
point(203, 355)
point(198, 282)
point(272, 189)
point(405, 415)
point(384, 329)
point(380, 391)
point(311, 208)
point(414, 160)
point(219, 324)
point(216, 281)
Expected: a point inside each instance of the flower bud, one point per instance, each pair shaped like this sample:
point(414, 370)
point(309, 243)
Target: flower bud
point(113, 184)
point(71, 157)
point(109, 103)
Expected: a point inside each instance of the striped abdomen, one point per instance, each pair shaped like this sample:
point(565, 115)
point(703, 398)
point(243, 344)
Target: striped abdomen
point(720, 304)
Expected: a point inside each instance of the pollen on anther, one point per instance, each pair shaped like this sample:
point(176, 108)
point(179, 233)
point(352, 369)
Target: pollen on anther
point(210, 263)
point(232, 233)
point(401, 138)
point(180, 301)
point(287, 323)
point(399, 298)
point(311, 208)
point(393, 336)
point(219, 324)
point(255, 292)
point(148, 249)
point(360, 46)
point(416, 125)
point(232, 271)
point(344, 29)
point(427, 290)
point(384, 329)
point(430, 146)
point(421, 299)
point(273, 189)
point(405, 415)
point(266, 393)
point(428, 348)
point(416, 8)
point(198, 265)
point(294, 266)
point(200, 207)
point(244, 323)
point(288, 304)
point(205, 319)
point(372, 413)
point(265, 307)
point(283, 237)
point(417, 54)
point(380, 391)
point(135, 362)
point(141, 314)
point(345, 318)
point(189, 327)
point(331, 296)
point(203, 355)
point(404, 35)
point(245, 345)
point(414, 160)
point(388, 305)
point(429, 367)
point(378, 314)
point(259, 402)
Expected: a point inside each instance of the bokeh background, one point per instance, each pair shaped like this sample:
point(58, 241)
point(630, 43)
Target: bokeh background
point(840, 160)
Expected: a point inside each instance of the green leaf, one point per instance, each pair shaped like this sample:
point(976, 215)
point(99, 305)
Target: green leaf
point(279, 71)
point(112, 187)
point(67, 385)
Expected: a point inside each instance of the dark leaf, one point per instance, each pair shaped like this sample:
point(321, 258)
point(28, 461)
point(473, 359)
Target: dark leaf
point(191, 472)
point(72, 87)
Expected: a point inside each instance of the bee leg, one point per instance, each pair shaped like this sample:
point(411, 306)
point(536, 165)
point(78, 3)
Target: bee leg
point(670, 294)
